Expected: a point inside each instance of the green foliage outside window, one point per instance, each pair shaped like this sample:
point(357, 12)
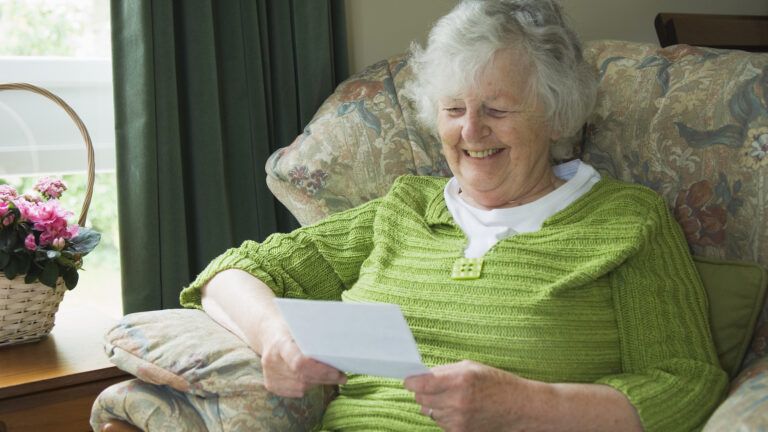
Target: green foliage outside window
point(68, 28)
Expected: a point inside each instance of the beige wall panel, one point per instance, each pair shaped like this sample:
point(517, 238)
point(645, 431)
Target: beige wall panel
point(377, 29)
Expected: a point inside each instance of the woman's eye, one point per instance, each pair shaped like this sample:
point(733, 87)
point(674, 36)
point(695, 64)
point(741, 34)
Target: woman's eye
point(496, 112)
point(454, 111)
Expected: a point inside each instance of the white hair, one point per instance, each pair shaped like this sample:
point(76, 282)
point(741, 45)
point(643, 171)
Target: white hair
point(462, 43)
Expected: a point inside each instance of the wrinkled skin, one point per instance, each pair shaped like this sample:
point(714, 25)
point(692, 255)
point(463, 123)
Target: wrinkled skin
point(469, 396)
point(288, 373)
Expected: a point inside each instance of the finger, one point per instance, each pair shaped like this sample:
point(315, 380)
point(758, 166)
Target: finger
point(416, 383)
point(437, 415)
point(284, 384)
point(431, 400)
point(321, 373)
point(281, 379)
point(310, 370)
point(427, 410)
point(431, 384)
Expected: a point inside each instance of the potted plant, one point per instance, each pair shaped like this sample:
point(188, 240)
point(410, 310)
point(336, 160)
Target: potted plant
point(41, 252)
point(36, 239)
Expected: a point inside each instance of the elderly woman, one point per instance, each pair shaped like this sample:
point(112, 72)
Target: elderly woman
point(542, 298)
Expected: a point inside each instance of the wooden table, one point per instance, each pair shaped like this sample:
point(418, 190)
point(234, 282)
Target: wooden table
point(50, 385)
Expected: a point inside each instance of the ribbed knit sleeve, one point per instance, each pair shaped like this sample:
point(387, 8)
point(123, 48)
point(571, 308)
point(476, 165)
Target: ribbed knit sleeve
point(670, 371)
point(315, 262)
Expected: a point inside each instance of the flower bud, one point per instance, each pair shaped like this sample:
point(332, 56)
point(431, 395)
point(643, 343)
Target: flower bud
point(58, 243)
point(29, 242)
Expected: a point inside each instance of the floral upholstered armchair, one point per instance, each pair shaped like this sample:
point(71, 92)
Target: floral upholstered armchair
point(690, 123)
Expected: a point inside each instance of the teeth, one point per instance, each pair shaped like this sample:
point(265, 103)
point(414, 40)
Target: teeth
point(482, 154)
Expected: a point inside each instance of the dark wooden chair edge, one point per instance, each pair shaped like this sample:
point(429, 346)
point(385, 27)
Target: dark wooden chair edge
point(742, 32)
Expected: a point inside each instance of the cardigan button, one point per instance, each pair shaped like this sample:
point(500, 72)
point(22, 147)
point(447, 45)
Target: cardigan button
point(467, 268)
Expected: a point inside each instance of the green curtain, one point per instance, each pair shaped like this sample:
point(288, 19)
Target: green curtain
point(205, 91)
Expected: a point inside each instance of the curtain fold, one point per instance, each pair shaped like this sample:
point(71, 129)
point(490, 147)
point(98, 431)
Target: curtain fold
point(205, 91)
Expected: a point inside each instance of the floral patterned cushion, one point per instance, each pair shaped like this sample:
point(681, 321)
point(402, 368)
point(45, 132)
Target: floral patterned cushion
point(692, 124)
point(746, 407)
point(363, 137)
point(200, 368)
point(162, 408)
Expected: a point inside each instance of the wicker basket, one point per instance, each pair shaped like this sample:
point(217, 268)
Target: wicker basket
point(27, 311)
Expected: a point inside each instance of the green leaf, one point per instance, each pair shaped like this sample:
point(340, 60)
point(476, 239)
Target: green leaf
point(50, 274)
point(85, 241)
point(52, 254)
point(70, 278)
point(7, 239)
point(4, 259)
point(32, 274)
point(66, 262)
point(25, 262)
point(12, 269)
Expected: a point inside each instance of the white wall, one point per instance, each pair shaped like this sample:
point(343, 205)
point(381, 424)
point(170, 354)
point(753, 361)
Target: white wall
point(377, 29)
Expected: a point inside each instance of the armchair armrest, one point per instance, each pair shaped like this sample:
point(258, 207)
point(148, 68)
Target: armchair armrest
point(745, 407)
point(195, 375)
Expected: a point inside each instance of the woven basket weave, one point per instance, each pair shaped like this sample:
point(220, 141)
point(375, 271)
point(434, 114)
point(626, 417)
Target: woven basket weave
point(27, 311)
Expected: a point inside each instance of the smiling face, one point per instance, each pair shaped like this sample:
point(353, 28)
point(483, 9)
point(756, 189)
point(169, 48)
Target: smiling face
point(495, 137)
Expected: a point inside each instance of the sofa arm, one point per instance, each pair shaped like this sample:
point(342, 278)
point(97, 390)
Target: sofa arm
point(149, 407)
point(195, 375)
point(153, 407)
point(746, 405)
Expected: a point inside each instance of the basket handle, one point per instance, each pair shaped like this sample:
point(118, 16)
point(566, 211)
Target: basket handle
point(83, 131)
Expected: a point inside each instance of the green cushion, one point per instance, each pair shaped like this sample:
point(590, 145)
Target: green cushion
point(736, 290)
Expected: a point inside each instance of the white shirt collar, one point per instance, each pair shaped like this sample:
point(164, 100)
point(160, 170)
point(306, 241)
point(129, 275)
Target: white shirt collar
point(485, 228)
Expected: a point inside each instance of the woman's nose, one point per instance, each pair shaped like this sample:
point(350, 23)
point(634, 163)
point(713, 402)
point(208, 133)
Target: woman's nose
point(474, 127)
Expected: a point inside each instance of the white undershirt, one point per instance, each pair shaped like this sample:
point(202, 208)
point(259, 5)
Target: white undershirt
point(484, 228)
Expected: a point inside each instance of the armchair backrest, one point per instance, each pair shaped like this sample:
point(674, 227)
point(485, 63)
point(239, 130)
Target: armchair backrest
point(690, 123)
point(361, 139)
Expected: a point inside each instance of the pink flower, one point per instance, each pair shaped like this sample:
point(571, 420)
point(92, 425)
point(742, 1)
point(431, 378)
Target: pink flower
point(72, 231)
point(48, 215)
point(49, 219)
point(7, 192)
point(29, 242)
point(24, 207)
point(4, 208)
point(50, 188)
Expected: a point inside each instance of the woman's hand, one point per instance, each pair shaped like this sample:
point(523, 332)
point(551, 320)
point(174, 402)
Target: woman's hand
point(469, 396)
point(289, 373)
point(245, 305)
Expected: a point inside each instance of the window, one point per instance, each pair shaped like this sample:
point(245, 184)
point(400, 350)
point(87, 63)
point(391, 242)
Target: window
point(63, 46)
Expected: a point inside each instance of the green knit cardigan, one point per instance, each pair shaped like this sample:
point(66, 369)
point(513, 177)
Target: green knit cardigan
point(606, 292)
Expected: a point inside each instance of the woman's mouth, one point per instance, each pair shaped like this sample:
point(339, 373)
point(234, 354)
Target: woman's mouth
point(481, 154)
